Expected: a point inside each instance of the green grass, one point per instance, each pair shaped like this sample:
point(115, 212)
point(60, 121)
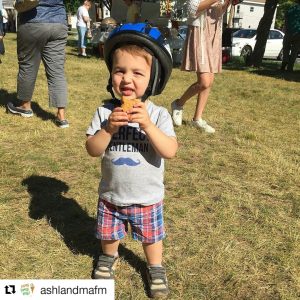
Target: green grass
point(232, 206)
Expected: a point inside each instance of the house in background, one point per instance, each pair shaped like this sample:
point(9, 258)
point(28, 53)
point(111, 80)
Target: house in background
point(248, 13)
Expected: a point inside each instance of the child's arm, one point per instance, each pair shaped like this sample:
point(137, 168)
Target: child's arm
point(165, 146)
point(97, 144)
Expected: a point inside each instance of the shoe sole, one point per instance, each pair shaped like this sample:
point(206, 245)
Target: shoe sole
point(19, 113)
point(64, 126)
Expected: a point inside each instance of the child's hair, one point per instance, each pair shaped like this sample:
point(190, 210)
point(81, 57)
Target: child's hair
point(135, 50)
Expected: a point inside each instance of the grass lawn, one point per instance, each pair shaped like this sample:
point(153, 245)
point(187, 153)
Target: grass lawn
point(232, 206)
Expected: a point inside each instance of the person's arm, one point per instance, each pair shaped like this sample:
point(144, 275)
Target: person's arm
point(97, 144)
point(205, 4)
point(165, 146)
point(86, 17)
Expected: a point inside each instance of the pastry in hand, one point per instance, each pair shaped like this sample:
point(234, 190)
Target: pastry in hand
point(128, 104)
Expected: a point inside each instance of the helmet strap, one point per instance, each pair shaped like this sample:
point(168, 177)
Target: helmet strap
point(154, 79)
point(109, 87)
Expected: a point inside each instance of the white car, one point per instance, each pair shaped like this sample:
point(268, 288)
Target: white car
point(243, 42)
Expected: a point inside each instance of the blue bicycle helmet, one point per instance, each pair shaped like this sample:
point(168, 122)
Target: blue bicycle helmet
point(149, 38)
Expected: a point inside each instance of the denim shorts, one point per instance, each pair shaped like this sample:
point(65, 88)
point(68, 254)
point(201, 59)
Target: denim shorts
point(146, 222)
point(82, 36)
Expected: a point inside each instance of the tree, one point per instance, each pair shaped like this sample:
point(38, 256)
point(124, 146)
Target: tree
point(264, 27)
point(262, 34)
point(284, 5)
point(72, 5)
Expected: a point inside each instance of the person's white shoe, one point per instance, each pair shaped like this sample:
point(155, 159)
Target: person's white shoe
point(203, 125)
point(176, 113)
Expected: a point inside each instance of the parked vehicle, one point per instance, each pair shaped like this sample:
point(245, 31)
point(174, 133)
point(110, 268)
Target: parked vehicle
point(176, 41)
point(182, 31)
point(243, 42)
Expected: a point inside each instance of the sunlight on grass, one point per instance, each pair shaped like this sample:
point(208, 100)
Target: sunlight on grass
point(232, 206)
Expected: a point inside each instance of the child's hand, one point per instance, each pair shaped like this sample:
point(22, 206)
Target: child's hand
point(116, 119)
point(138, 114)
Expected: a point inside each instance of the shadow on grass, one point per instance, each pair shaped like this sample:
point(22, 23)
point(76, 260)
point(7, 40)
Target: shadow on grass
point(72, 43)
point(277, 74)
point(269, 68)
point(6, 97)
point(72, 222)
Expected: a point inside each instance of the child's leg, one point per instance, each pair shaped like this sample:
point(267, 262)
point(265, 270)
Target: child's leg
point(107, 261)
point(148, 227)
point(153, 253)
point(110, 229)
point(110, 247)
point(156, 273)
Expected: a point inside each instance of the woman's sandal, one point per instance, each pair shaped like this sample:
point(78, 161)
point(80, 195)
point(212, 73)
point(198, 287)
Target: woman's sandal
point(106, 266)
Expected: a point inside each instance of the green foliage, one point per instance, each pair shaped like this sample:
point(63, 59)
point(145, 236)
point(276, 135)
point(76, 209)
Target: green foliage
point(284, 5)
point(72, 5)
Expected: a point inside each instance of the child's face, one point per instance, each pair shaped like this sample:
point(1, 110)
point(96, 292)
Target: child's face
point(130, 74)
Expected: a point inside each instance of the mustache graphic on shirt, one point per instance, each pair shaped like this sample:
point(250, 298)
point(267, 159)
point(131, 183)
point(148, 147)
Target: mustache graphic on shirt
point(125, 161)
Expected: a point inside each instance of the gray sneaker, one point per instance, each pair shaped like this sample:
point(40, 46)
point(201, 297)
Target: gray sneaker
point(62, 123)
point(157, 281)
point(14, 109)
point(203, 125)
point(106, 266)
point(176, 113)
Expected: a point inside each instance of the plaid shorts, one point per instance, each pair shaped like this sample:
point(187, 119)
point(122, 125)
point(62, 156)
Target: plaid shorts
point(147, 224)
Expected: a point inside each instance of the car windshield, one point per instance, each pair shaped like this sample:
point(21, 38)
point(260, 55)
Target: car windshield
point(245, 33)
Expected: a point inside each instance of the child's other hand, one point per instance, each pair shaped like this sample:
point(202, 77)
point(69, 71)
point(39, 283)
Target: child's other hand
point(138, 114)
point(116, 119)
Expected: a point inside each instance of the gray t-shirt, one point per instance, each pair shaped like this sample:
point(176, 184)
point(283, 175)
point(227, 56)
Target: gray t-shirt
point(132, 172)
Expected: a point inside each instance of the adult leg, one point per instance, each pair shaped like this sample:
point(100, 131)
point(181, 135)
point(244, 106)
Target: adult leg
point(29, 57)
point(191, 91)
point(79, 40)
point(205, 81)
point(53, 57)
point(177, 105)
point(82, 40)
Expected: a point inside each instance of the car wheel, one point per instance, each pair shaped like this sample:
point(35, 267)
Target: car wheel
point(280, 55)
point(246, 51)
